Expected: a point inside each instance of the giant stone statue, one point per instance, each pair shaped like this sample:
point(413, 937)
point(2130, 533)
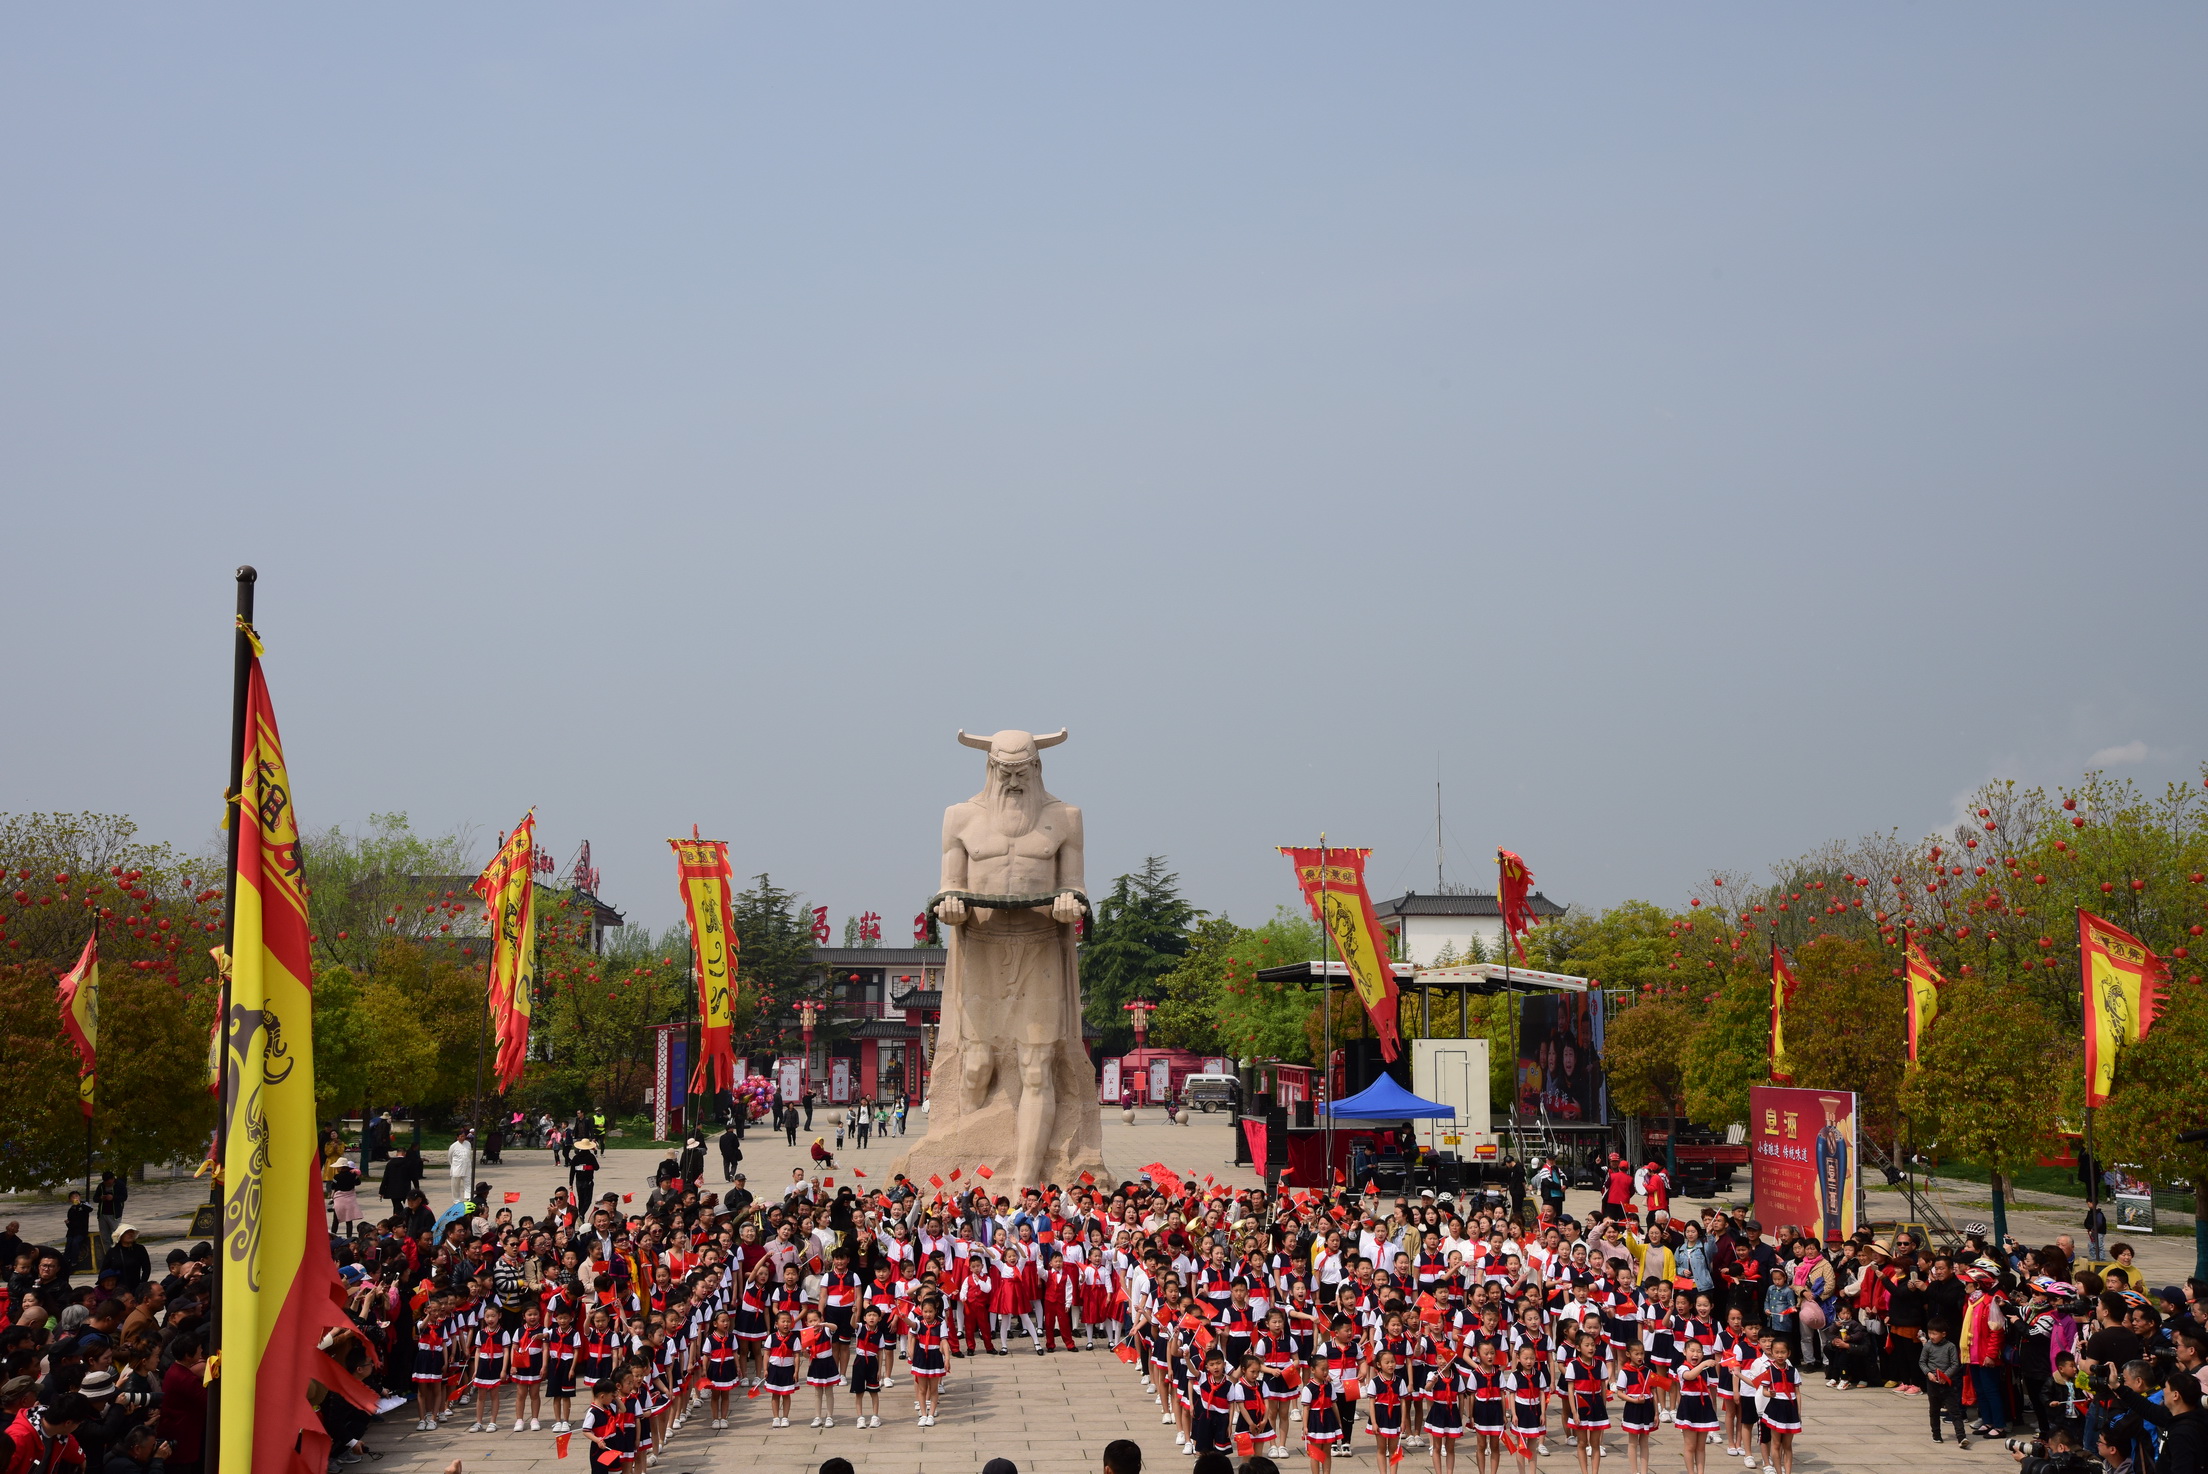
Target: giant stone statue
point(1012, 1087)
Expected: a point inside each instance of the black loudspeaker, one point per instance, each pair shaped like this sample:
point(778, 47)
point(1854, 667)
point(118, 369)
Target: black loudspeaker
point(1307, 1114)
point(1362, 1065)
point(1276, 1136)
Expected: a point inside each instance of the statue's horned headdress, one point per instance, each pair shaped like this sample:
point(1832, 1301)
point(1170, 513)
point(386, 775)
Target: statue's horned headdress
point(1013, 747)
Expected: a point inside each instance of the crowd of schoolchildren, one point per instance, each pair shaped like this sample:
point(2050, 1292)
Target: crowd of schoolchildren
point(1334, 1321)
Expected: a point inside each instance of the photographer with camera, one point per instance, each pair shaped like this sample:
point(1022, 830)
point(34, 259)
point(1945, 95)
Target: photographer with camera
point(2177, 1420)
point(2056, 1454)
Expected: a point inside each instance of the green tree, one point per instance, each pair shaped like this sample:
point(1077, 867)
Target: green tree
point(158, 913)
point(1261, 1020)
point(1190, 994)
point(1846, 1030)
point(1141, 933)
point(1986, 1088)
point(774, 966)
point(1730, 1051)
point(387, 883)
point(1644, 1055)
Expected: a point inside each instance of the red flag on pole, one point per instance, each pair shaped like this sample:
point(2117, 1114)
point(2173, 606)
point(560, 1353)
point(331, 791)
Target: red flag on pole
point(1515, 895)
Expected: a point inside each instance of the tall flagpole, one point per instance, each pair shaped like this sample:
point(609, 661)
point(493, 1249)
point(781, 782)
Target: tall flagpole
point(241, 674)
point(2092, 1168)
point(93, 1104)
point(1326, 1020)
point(1510, 1001)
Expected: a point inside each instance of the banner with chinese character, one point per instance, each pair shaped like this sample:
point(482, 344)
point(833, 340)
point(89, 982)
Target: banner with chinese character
point(705, 898)
point(1333, 884)
point(509, 890)
point(280, 1291)
point(2122, 996)
point(1782, 993)
point(1924, 984)
point(79, 993)
point(1803, 1159)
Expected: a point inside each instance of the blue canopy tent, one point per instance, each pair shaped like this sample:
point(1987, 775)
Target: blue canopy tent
point(1384, 1100)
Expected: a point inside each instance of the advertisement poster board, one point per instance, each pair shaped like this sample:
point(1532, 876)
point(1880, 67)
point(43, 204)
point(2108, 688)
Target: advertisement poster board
point(1804, 1159)
point(1560, 1058)
point(789, 1078)
point(2134, 1202)
point(1107, 1091)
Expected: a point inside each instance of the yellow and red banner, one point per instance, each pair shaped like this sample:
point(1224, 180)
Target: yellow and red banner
point(1514, 894)
point(1923, 982)
point(703, 864)
point(79, 993)
point(508, 888)
point(280, 1292)
point(2122, 978)
point(1782, 993)
point(1333, 884)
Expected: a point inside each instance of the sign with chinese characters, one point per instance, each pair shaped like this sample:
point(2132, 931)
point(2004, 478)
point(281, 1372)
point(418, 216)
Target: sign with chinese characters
point(1803, 1159)
point(839, 1082)
point(789, 1078)
point(1108, 1090)
point(669, 1046)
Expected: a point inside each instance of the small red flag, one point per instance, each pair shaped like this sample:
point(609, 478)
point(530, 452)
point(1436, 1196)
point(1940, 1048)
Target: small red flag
point(513, 1197)
point(855, 1172)
point(1088, 1179)
point(628, 1197)
point(561, 1443)
point(984, 1170)
point(935, 1181)
point(954, 1174)
point(827, 1182)
point(754, 1392)
point(1207, 1179)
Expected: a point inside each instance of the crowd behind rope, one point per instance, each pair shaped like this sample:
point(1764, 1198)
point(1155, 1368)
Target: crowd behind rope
point(1313, 1326)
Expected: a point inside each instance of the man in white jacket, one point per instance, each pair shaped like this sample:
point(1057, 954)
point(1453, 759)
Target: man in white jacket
point(460, 1162)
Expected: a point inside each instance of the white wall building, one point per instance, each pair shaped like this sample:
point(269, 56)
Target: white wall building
point(1433, 927)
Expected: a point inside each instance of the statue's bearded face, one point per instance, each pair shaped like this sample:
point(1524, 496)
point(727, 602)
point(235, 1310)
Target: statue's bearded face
point(1014, 772)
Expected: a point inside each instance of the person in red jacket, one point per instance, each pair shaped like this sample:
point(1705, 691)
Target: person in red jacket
point(184, 1407)
point(1617, 1193)
point(45, 1437)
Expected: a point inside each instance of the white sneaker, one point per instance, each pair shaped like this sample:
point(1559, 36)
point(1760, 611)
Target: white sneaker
point(475, 1427)
point(533, 1428)
point(831, 1422)
point(1544, 1449)
point(517, 1425)
point(1663, 1415)
point(816, 1421)
point(1770, 1469)
point(1167, 1418)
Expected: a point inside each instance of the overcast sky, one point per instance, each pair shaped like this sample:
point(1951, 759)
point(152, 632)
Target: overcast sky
point(1702, 431)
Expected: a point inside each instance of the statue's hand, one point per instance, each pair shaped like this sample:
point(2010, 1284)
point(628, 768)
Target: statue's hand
point(1066, 909)
point(951, 911)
